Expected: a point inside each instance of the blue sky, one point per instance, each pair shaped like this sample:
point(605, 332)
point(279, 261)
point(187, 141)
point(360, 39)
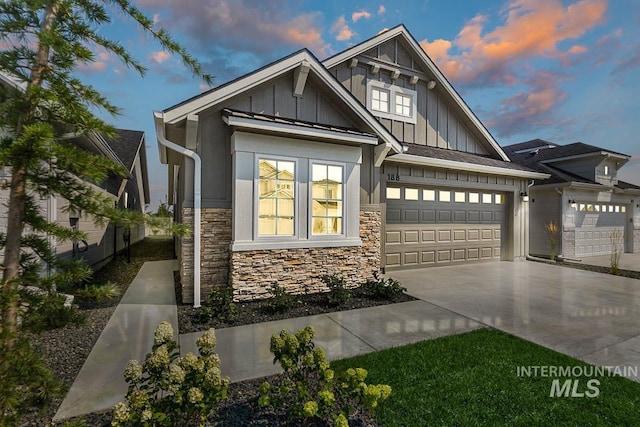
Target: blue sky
point(564, 71)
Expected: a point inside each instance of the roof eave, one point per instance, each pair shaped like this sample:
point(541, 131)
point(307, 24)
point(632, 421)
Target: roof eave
point(469, 167)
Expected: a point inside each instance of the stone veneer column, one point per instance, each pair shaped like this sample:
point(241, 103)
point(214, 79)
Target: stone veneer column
point(214, 251)
point(299, 270)
point(569, 244)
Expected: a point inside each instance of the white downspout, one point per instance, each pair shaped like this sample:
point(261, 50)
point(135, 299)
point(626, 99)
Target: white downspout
point(197, 178)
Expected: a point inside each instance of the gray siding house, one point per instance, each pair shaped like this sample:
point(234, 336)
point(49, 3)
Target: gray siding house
point(582, 196)
point(367, 161)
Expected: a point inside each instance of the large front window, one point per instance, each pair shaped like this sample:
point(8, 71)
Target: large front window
point(276, 210)
point(327, 199)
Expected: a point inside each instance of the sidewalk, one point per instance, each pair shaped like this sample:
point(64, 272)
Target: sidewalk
point(128, 335)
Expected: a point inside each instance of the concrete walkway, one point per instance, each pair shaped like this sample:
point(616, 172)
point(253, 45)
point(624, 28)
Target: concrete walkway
point(128, 335)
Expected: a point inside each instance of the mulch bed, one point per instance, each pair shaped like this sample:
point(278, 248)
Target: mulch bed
point(258, 311)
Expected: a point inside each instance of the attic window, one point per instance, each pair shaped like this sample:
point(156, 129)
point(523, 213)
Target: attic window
point(391, 102)
point(606, 170)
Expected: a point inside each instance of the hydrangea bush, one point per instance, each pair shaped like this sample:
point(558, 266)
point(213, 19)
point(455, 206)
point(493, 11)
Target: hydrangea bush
point(170, 390)
point(309, 389)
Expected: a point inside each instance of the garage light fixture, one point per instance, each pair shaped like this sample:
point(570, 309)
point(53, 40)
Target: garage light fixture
point(524, 196)
point(572, 203)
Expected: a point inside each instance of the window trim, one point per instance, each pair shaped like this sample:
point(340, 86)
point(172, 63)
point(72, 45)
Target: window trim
point(393, 91)
point(310, 234)
point(256, 200)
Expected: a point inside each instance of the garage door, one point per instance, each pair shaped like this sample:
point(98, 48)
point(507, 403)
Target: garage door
point(596, 225)
point(438, 226)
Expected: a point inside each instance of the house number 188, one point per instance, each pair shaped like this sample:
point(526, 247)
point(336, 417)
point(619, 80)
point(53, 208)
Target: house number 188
point(393, 177)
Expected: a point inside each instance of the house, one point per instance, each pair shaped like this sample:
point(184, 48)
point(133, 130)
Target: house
point(367, 161)
point(103, 241)
point(582, 196)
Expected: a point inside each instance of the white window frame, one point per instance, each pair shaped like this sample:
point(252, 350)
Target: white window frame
point(388, 102)
point(393, 91)
point(310, 201)
point(256, 200)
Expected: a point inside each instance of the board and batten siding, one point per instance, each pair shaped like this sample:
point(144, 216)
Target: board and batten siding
point(437, 125)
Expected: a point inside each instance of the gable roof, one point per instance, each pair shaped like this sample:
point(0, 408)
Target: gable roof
point(303, 57)
point(400, 31)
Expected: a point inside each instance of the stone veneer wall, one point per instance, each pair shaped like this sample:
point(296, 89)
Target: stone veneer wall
point(636, 241)
point(298, 270)
point(214, 248)
point(568, 244)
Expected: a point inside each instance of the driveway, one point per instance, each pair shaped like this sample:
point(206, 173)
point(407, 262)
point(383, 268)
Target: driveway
point(591, 316)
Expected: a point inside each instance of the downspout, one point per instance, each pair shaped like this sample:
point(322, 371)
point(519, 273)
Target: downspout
point(197, 178)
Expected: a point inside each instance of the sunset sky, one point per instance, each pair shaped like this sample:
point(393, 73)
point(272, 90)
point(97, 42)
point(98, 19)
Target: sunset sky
point(564, 71)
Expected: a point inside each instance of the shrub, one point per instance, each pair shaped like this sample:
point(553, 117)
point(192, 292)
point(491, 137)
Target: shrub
point(617, 247)
point(169, 390)
point(553, 231)
point(25, 381)
point(48, 311)
point(309, 390)
point(382, 289)
point(338, 293)
point(99, 293)
point(280, 301)
point(218, 306)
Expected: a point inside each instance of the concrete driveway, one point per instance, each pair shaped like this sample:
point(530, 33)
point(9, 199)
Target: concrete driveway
point(591, 316)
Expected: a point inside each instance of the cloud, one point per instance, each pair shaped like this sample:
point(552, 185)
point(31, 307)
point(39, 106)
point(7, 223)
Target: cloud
point(261, 28)
point(532, 28)
point(381, 10)
point(355, 16)
point(159, 57)
point(341, 29)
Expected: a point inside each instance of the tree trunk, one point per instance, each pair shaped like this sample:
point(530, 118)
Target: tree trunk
point(18, 186)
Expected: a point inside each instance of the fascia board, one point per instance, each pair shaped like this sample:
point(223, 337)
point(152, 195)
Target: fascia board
point(289, 129)
point(442, 80)
point(469, 167)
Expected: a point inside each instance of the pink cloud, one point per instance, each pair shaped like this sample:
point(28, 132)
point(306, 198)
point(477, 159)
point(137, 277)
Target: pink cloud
point(159, 57)
point(341, 29)
point(381, 10)
point(355, 16)
point(532, 28)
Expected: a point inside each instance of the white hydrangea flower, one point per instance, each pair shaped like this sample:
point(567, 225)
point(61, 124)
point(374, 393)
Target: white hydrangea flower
point(163, 334)
point(213, 376)
point(191, 361)
point(133, 372)
point(207, 341)
point(195, 395)
point(146, 415)
point(176, 374)
point(121, 413)
point(159, 359)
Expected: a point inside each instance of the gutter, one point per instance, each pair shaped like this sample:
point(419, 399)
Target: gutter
point(197, 184)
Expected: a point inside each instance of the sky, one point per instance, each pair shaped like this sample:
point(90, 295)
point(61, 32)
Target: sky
point(560, 70)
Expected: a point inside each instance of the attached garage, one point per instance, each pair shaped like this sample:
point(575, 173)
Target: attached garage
point(431, 226)
point(595, 226)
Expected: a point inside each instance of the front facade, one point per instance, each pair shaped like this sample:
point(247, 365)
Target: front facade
point(367, 161)
point(595, 211)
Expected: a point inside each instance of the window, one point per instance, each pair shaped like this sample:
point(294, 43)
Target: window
point(606, 170)
point(393, 193)
point(411, 194)
point(276, 198)
point(499, 199)
point(327, 200)
point(445, 196)
point(623, 209)
point(428, 195)
point(459, 197)
point(391, 102)
point(474, 198)
point(403, 105)
point(380, 99)
point(486, 198)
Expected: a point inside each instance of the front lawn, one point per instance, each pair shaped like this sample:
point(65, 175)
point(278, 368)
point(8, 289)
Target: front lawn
point(471, 379)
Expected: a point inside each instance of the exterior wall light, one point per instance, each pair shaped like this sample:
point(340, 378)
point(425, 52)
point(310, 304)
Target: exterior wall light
point(524, 196)
point(572, 203)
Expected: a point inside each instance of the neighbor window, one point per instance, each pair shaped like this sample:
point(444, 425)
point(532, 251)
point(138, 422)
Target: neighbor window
point(276, 204)
point(606, 170)
point(327, 200)
point(380, 100)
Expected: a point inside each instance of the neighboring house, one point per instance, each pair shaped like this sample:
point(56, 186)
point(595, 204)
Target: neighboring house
point(103, 241)
point(583, 196)
point(367, 161)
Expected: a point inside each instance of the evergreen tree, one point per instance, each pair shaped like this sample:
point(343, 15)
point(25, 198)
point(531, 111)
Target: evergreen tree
point(46, 42)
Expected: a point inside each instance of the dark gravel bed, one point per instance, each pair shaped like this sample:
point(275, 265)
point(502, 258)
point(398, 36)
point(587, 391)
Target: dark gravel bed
point(258, 311)
point(624, 273)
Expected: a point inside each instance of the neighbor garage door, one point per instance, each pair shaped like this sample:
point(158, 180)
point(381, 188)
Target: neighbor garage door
point(596, 225)
point(439, 226)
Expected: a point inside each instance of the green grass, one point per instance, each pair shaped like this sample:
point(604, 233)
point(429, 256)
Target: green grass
point(471, 380)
